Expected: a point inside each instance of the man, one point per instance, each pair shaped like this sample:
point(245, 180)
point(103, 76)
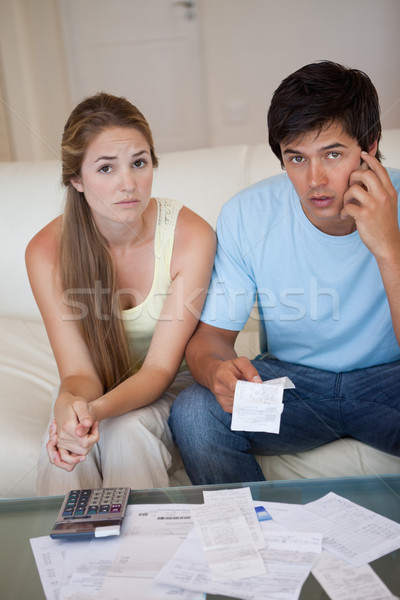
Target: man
point(319, 249)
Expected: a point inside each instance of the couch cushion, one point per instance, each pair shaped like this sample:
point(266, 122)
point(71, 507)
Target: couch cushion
point(203, 179)
point(28, 374)
point(390, 148)
point(343, 458)
point(31, 197)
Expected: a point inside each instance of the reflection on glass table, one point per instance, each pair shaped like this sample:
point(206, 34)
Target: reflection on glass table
point(23, 519)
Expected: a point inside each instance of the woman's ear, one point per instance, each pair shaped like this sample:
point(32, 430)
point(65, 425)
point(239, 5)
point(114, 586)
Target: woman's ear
point(76, 182)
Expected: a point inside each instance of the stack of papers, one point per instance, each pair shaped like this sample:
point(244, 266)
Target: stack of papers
point(220, 547)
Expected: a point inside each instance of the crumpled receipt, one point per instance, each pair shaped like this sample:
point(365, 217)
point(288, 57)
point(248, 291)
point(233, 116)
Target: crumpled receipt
point(258, 406)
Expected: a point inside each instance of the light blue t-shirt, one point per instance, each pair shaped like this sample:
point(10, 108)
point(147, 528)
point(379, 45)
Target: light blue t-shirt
point(321, 299)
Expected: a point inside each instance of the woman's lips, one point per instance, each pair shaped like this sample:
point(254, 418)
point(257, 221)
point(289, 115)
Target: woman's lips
point(129, 202)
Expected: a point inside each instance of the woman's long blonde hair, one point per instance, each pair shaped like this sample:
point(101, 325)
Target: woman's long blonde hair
point(87, 272)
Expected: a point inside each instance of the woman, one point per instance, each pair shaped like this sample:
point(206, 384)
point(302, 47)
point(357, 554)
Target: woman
point(120, 279)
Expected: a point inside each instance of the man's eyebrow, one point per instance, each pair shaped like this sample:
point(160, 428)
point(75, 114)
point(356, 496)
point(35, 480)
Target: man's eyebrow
point(324, 148)
point(114, 157)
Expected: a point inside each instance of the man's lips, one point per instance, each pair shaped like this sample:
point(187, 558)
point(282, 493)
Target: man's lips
point(321, 201)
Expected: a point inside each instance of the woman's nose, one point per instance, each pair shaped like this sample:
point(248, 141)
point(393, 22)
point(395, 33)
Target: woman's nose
point(127, 181)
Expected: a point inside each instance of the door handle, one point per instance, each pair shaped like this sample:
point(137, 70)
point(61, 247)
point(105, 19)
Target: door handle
point(189, 5)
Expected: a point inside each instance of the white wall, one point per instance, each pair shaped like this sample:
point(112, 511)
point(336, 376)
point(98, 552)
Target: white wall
point(33, 74)
point(5, 152)
point(248, 47)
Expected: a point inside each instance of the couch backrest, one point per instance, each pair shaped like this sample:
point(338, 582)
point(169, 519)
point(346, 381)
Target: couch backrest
point(31, 195)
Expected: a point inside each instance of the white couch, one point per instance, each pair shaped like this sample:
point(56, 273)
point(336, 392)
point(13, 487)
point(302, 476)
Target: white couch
point(30, 197)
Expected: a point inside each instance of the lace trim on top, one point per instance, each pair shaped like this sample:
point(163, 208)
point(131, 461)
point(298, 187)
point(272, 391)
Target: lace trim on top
point(167, 215)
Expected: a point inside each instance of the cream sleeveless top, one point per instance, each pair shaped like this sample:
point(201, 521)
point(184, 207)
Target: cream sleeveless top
point(141, 320)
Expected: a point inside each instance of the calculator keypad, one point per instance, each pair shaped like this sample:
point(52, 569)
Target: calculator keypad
point(95, 502)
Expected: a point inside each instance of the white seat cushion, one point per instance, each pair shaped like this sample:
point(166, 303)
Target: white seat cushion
point(28, 374)
point(342, 458)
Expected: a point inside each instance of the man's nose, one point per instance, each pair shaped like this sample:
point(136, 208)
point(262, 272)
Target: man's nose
point(317, 174)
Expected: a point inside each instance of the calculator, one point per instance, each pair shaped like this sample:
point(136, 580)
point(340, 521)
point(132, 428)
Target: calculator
point(91, 513)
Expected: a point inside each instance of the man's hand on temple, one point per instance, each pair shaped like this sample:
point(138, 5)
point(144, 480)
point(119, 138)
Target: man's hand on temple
point(372, 202)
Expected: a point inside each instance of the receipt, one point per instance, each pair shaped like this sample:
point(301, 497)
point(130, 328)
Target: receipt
point(226, 540)
point(258, 406)
point(342, 581)
point(244, 500)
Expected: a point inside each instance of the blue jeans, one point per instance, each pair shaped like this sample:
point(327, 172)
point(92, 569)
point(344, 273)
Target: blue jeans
point(324, 406)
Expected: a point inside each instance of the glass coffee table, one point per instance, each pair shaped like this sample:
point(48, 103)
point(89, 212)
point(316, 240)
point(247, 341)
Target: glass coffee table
point(25, 518)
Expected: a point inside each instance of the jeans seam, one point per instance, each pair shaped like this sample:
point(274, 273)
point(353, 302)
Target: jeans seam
point(339, 402)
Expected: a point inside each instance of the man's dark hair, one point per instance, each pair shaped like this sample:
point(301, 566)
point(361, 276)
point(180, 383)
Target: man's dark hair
point(319, 94)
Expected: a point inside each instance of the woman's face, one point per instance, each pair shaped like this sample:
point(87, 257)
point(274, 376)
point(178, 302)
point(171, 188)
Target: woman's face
point(116, 176)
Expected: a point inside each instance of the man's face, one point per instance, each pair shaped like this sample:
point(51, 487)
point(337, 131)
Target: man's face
point(319, 166)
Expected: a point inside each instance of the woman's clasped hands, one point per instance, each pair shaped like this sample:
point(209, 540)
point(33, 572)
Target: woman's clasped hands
point(72, 433)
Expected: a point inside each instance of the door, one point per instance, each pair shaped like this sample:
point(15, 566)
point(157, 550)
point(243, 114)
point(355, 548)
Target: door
point(145, 50)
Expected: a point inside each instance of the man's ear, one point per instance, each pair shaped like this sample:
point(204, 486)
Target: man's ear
point(76, 182)
point(373, 148)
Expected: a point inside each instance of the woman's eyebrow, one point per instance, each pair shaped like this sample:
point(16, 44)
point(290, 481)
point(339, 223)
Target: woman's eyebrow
point(114, 157)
